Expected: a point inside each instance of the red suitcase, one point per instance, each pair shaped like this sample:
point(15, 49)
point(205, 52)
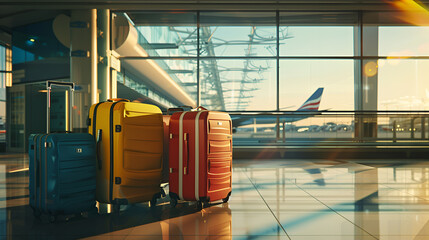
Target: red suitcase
point(200, 156)
point(165, 156)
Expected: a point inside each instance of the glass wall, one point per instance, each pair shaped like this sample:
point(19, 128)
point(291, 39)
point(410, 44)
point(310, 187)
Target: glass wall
point(403, 84)
point(167, 44)
point(38, 55)
point(238, 64)
point(281, 64)
point(300, 78)
point(399, 44)
point(254, 61)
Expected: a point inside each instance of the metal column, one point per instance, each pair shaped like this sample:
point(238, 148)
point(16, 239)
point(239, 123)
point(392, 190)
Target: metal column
point(82, 29)
point(103, 49)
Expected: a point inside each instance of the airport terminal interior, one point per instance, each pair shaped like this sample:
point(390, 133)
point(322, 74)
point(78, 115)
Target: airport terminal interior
point(328, 101)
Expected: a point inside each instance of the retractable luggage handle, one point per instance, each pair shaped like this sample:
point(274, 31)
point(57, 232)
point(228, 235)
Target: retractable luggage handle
point(178, 109)
point(48, 103)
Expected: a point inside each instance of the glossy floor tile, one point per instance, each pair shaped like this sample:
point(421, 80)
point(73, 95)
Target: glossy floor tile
point(276, 199)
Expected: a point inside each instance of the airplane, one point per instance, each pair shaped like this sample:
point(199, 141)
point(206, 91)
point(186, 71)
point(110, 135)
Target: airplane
point(311, 105)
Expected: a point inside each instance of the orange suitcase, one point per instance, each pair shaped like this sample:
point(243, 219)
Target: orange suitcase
point(200, 156)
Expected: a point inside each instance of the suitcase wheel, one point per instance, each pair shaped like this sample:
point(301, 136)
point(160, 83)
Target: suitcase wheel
point(227, 198)
point(163, 194)
point(116, 208)
point(154, 199)
point(173, 200)
point(202, 204)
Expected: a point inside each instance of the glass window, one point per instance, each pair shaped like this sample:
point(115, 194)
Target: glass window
point(238, 85)
point(37, 41)
point(393, 43)
point(167, 33)
point(238, 34)
point(3, 67)
point(403, 84)
point(2, 58)
point(161, 76)
point(246, 83)
point(317, 34)
point(398, 33)
point(183, 72)
point(299, 79)
point(2, 86)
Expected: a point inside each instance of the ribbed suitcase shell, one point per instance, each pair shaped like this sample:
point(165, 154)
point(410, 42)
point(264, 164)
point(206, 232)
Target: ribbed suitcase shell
point(130, 152)
point(62, 174)
point(200, 155)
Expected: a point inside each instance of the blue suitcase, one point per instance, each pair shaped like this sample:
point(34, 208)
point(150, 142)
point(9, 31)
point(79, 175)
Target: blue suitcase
point(62, 172)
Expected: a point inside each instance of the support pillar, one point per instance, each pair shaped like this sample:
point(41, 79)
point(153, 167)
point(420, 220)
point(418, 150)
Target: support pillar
point(370, 80)
point(82, 70)
point(357, 49)
point(366, 83)
point(104, 53)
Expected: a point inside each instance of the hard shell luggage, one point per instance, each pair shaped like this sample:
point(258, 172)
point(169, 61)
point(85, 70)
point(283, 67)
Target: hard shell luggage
point(165, 155)
point(62, 170)
point(129, 138)
point(200, 156)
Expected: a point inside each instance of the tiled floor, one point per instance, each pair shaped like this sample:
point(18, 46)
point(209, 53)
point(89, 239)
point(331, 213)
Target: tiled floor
point(283, 199)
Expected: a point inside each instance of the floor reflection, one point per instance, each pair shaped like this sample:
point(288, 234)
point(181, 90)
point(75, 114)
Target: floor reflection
point(282, 199)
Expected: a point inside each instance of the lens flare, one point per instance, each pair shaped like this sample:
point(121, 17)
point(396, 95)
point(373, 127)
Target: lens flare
point(370, 69)
point(411, 12)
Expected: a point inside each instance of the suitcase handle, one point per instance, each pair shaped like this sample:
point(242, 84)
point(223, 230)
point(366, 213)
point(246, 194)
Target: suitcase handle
point(71, 87)
point(118, 100)
point(201, 108)
point(99, 135)
point(185, 153)
point(178, 109)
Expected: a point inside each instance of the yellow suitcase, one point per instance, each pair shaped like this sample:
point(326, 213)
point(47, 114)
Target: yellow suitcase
point(129, 140)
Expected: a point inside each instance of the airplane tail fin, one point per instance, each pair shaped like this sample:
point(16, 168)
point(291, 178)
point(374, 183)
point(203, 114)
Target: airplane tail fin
point(313, 103)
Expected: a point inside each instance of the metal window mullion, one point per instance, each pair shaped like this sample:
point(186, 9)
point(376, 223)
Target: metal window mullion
point(278, 72)
point(359, 74)
point(282, 57)
point(278, 59)
point(198, 61)
point(360, 27)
